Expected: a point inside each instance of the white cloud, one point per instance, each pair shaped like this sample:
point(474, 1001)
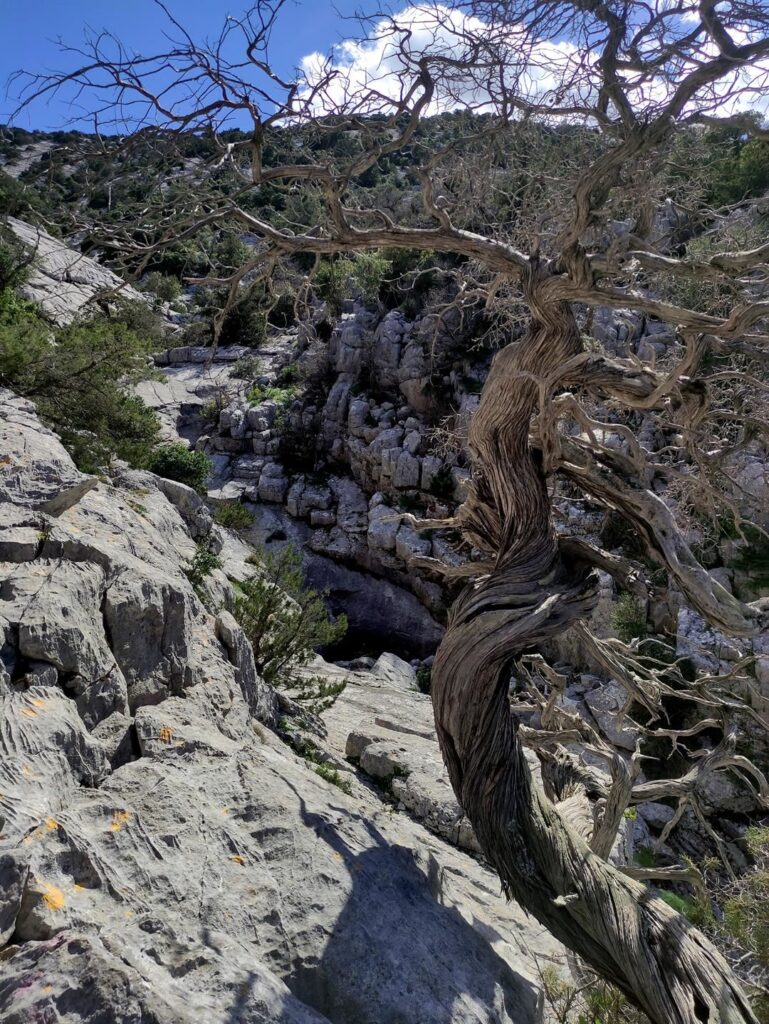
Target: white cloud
point(369, 72)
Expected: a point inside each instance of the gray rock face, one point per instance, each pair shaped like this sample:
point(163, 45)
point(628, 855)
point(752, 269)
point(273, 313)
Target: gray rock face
point(606, 703)
point(165, 857)
point(35, 471)
point(62, 281)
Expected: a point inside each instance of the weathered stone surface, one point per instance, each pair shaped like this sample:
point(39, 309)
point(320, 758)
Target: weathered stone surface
point(606, 702)
point(90, 978)
point(409, 544)
point(383, 523)
point(55, 609)
point(213, 827)
point(260, 698)
point(183, 864)
point(35, 471)
point(273, 484)
point(61, 280)
point(407, 469)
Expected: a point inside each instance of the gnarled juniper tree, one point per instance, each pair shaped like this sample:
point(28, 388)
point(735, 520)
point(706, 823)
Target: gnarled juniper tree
point(588, 101)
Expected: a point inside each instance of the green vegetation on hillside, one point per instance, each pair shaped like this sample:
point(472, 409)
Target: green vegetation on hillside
point(285, 621)
point(79, 377)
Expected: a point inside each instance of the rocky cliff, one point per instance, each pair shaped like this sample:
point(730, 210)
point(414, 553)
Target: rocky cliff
point(164, 855)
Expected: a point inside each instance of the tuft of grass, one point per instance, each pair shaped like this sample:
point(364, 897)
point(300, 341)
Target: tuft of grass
point(645, 857)
point(629, 619)
point(282, 396)
point(312, 753)
point(233, 515)
point(334, 777)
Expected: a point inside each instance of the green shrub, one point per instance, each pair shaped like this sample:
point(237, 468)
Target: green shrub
point(424, 678)
point(335, 777)
point(166, 287)
point(330, 283)
point(312, 753)
point(14, 263)
point(281, 313)
point(369, 270)
point(202, 565)
point(442, 485)
point(16, 200)
point(233, 515)
point(246, 368)
point(178, 462)
point(629, 619)
point(79, 377)
point(284, 620)
point(244, 324)
point(317, 694)
point(283, 396)
point(287, 375)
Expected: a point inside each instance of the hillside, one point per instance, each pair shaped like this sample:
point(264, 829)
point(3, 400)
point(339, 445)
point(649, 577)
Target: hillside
point(384, 579)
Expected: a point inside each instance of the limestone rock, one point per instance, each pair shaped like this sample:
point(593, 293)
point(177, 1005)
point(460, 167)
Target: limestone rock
point(383, 523)
point(273, 484)
point(35, 471)
point(258, 695)
point(410, 544)
point(61, 280)
point(407, 470)
point(606, 702)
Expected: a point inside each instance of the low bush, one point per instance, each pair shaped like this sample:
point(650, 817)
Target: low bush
point(593, 1001)
point(178, 462)
point(246, 368)
point(80, 379)
point(424, 678)
point(164, 286)
point(233, 515)
point(244, 324)
point(282, 396)
point(629, 619)
point(285, 621)
point(200, 568)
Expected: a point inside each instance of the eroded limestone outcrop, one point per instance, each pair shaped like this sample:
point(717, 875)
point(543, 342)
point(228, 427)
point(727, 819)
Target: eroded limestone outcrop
point(61, 280)
point(163, 854)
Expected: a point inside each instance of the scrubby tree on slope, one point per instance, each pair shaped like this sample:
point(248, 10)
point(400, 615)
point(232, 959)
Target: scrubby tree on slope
point(609, 87)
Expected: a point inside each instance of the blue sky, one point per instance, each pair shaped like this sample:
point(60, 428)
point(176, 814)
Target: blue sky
point(30, 29)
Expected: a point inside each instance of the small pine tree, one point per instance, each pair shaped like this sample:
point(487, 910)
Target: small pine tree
point(285, 620)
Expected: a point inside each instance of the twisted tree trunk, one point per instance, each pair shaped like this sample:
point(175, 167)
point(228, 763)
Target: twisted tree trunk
point(534, 591)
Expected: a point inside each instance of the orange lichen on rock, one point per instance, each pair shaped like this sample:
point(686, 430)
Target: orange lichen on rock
point(53, 897)
point(119, 818)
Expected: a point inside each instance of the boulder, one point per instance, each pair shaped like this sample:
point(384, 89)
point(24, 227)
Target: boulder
point(35, 471)
point(273, 484)
point(383, 523)
point(606, 702)
point(407, 470)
